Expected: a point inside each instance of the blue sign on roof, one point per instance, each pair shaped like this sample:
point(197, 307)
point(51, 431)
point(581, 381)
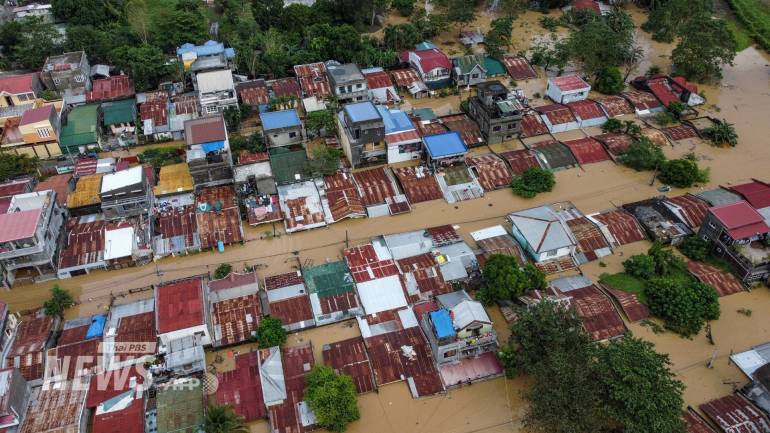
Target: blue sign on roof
point(444, 145)
point(394, 120)
point(442, 323)
point(425, 45)
point(210, 48)
point(279, 119)
point(97, 326)
point(362, 111)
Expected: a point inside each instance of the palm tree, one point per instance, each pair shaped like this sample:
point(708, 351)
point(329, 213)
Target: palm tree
point(222, 419)
point(60, 301)
point(722, 133)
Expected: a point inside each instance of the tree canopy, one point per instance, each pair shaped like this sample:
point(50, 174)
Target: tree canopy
point(532, 182)
point(722, 133)
point(332, 397)
point(13, 165)
point(504, 279)
point(222, 271)
point(270, 332)
point(684, 305)
point(694, 247)
point(324, 161)
point(682, 173)
point(59, 301)
point(222, 419)
point(706, 45)
point(643, 154)
point(609, 81)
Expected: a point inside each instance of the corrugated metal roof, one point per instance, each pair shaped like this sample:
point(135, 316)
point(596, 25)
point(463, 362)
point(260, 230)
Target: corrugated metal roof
point(735, 414)
point(542, 229)
point(179, 305)
point(350, 357)
point(279, 119)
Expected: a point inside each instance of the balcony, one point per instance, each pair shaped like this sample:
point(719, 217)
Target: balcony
point(755, 253)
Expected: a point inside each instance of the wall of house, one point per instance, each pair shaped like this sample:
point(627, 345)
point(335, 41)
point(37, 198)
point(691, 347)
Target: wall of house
point(468, 332)
point(170, 336)
point(401, 152)
point(284, 136)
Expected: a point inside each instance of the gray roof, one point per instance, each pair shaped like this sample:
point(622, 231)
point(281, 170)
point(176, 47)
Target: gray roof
point(343, 74)
point(467, 312)
point(408, 244)
point(449, 300)
point(719, 196)
point(271, 376)
point(567, 284)
point(542, 228)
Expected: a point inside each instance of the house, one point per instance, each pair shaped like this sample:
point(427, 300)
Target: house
point(381, 88)
point(591, 242)
point(211, 55)
point(112, 88)
point(518, 68)
point(69, 71)
point(659, 221)
point(127, 243)
point(332, 292)
point(33, 10)
point(644, 103)
point(130, 335)
point(432, 65)
point(123, 413)
point(735, 413)
point(312, 79)
point(235, 308)
point(208, 151)
point(16, 186)
point(125, 194)
point(362, 134)
point(59, 408)
point(347, 82)
point(756, 192)
point(558, 118)
point(668, 89)
point(254, 94)
point(497, 111)
point(379, 193)
point(287, 300)
point(468, 70)
point(18, 94)
point(216, 90)
point(28, 344)
point(35, 134)
point(282, 128)
point(472, 38)
point(83, 246)
point(179, 406)
point(15, 395)
point(340, 197)
point(407, 79)
point(119, 120)
point(544, 236)
point(497, 240)
point(80, 130)
point(29, 237)
point(77, 350)
point(403, 140)
point(587, 112)
point(567, 88)
point(85, 199)
point(302, 206)
point(599, 317)
point(459, 328)
point(180, 311)
point(443, 150)
point(740, 235)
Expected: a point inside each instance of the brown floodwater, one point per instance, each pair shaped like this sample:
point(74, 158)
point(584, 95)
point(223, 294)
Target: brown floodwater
point(743, 98)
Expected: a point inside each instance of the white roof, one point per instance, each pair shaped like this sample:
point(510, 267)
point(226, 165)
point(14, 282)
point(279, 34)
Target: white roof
point(467, 312)
point(271, 376)
point(118, 243)
point(489, 232)
point(312, 103)
point(750, 360)
point(381, 294)
point(407, 317)
point(215, 81)
point(121, 179)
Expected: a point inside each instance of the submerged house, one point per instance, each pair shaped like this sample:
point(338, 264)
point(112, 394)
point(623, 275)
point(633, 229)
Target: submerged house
point(567, 88)
point(544, 236)
point(659, 221)
point(362, 134)
point(432, 65)
point(497, 111)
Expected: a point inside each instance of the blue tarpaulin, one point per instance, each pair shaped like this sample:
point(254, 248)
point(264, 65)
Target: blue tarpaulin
point(97, 326)
point(442, 323)
point(445, 144)
point(213, 146)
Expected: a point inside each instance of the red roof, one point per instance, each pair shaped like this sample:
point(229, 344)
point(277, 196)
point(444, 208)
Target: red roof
point(233, 280)
point(350, 357)
point(402, 137)
point(532, 124)
point(568, 83)
point(109, 384)
point(521, 160)
point(26, 353)
point(59, 183)
point(590, 5)
point(241, 388)
point(365, 266)
point(586, 109)
point(16, 84)
point(84, 243)
point(693, 88)
point(587, 150)
point(693, 208)
point(600, 319)
point(179, 305)
point(253, 93)
point(378, 80)
point(16, 186)
point(127, 420)
point(18, 225)
point(492, 172)
point(418, 184)
point(757, 193)
point(404, 77)
point(736, 414)
point(557, 114)
point(641, 100)
point(629, 303)
point(36, 115)
point(85, 166)
point(615, 106)
point(660, 88)
point(343, 197)
point(621, 225)
point(432, 59)
point(740, 219)
point(724, 283)
point(119, 86)
point(156, 110)
point(375, 186)
point(519, 68)
point(285, 87)
point(615, 142)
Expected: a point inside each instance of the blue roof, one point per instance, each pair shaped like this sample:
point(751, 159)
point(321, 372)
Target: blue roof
point(362, 111)
point(425, 45)
point(279, 119)
point(442, 323)
point(208, 49)
point(395, 120)
point(446, 144)
point(97, 326)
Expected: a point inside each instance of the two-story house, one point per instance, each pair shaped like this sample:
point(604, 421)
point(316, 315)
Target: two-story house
point(17, 94)
point(209, 56)
point(282, 128)
point(35, 133)
point(68, 71)
point(29, 237)
point(347, 82)
point(497, 111)
point(216, 90)
point(125, 193)
point(362, 134)
point(740, 235)
point(432, 65)
point(469, 70)
point(543, 234)
point(208, 151)
point(460, 328)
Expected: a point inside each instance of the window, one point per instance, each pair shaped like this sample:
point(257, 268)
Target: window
point(496, 128)
point(475, 76)
point(359, 86)
point(211, 109)
point(56, 81)
point(79, 78)
point(43, 133)
point(550, 253)
point(450, 353)
point(292, 134)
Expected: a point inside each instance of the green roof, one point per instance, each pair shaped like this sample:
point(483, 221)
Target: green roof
point(330, 279)
point(80, 129)
point(180, 408)
point(494, 67)
point(467, 63)
point(123, 111)
point(286, 164)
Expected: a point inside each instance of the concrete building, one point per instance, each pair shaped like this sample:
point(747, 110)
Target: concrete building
point(181, 311)
point(125, 194)
point(460, 328)
point(68, 71)
point(14, 398)
point(497, 111)
point(216, 90)
point(18, 94)
point(208, 151)
point(567, 88)
point(401, 136)
point(282, 128)
point(209, 56)
point(29, 237)
point(432, 65)
point(35, 134)
point(347, 82)
point(362, 134)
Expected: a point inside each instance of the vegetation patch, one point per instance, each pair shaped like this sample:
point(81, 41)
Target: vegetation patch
point(626, 283)
point(755, 16)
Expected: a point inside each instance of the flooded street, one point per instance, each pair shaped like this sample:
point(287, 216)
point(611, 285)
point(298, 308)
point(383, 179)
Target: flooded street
point(743, 98)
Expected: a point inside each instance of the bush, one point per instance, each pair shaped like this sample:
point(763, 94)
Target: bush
point(682, 173)
point(222, 271)
point(549, 23)
point(609, 81)
point(60, 300)
point(160, 156)
point(533, 182)
point(676, 108)
point(505, 280)
point(270, 333)
point(612, 125)
point(332, 397)
point(722, 133)
point(404, 7)
point(666, 262)
point(684, 307)
point(695, 248)
point(643, 154)
point(13, 165)
point(640, 266)
point(664, 118)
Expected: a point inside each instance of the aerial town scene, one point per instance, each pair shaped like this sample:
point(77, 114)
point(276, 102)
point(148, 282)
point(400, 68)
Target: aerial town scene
point(376, 216)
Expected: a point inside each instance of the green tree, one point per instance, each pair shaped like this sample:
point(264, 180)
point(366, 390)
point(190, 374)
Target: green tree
point(97, 42)
point(676, 108)
point(332, 397)
point(639, 391)
point(532, 182)
point(666, 262)
point(555, 53)
point(13, 165)
point(222, 271)
point(270, 333)
point(684, 305)
point(612, 125)
point(682, 173)
point(459, 11)
point(145, 63)
point(404, 7)
point(602, 43)
point(706, 45)
point(609, 81)
point(721, 133)
point(59, 301)
point(233, 118)
point(668, 20)
point(695, 248)
point(498, 38)
point(172, 28)
point(641, 266)
point(35, 44)
point(83, 12)
point(643, 154)
point(222, 419)
point(504, 279)
point(324, 161)
point(320, 121)
point(401, 36)
point(138, 19)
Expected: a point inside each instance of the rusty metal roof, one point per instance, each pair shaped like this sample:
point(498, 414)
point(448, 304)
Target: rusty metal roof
point(587, 150)
point(26, 353)
point(518, 68)
point(235, 320)
point(241, 388)
point(365, 266)
point(615, 106)
point(491, 171)
point(375, 185)
point(616, 143)
point(723, 282)
point(621, 225)
point(680, 132)
point(588, 236)
point(467, 128)
point(418, 184)
point(179, 305)
point(629, 303)
point(600, 319)
point(343, 197)
point(350, 357)
point(693, 208)
point(532, 124)
point(405, 77)
point(641, 100)
point(57, 409)
point(736, 414)
point(521, 160)
point(84, 243)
